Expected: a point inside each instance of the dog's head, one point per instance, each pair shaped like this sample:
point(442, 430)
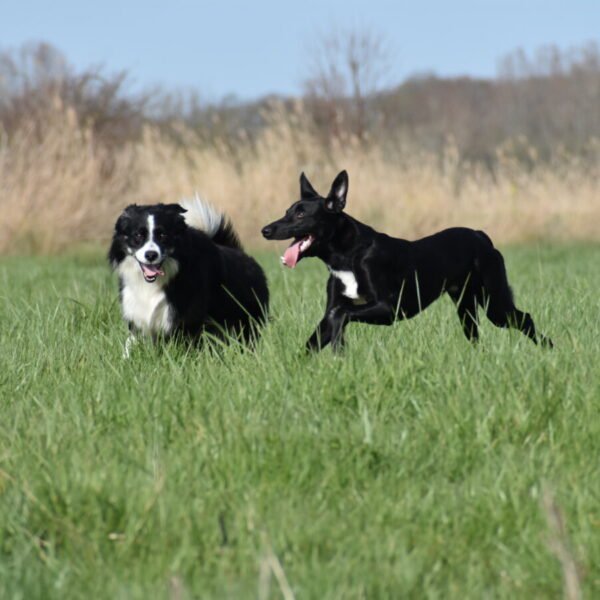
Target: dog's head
point(148, 234)
point(309, 221)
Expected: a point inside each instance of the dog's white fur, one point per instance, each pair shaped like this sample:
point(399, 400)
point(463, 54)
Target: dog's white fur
point(349, 281)
point(145, 304)
point(201, 215)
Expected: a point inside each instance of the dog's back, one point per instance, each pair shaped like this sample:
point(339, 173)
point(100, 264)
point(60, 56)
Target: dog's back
point(241, 298)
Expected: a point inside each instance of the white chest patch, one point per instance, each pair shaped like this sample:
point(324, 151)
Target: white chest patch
point(144, 304)
point(349, 281)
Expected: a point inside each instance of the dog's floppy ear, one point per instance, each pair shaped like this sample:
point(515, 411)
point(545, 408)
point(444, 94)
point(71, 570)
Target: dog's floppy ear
point(307, 191)
point(336, 199)
point(129, 210)
point(176, 208)
point(125, 217)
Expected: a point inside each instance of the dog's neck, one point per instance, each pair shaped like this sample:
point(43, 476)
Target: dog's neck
point(338, 252)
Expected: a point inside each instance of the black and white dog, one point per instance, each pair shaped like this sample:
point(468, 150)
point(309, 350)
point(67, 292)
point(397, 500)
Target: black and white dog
point(182, 271)
point(375, 278)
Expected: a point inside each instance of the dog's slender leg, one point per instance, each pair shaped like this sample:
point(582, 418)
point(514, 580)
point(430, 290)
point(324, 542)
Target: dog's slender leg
point(517, 320)
point(524, 323)
point(323, 333)
point(466, 305)
point(375, 313)
point(339, 322)
point(501, 309)
point(469, 320)
point(506, 314)
point(129, 343)
point(321, 336)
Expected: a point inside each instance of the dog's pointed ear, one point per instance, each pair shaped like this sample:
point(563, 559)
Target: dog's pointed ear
point(336, 199)
point(307, 191)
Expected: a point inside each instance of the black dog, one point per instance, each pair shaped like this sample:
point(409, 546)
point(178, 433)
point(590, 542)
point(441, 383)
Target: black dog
point(182, 271)
point(375, 278)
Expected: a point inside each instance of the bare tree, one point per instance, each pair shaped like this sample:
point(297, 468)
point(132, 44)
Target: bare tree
point(37, 78)
point(347, 68)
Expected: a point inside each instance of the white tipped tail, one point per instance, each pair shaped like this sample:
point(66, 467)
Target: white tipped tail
point(202, 215)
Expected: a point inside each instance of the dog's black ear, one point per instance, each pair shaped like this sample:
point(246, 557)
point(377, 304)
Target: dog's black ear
point(336, 199)
point(307, 191)
point(176, 208)
point(129, 211)
point(125, 218)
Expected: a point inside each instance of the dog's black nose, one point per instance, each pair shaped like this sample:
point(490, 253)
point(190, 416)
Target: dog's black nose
point(267, 231)
point(151, 255)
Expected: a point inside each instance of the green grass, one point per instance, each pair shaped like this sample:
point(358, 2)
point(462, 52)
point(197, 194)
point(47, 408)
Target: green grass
point(413, 465)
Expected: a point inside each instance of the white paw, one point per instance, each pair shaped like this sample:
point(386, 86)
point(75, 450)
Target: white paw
point(129, 344)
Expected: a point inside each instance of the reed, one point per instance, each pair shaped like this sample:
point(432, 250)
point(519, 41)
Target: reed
point(61, 187)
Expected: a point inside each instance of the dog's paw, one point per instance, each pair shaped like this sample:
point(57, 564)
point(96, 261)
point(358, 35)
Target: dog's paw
point(312, 346)
point(338, 345)
point(127, 349)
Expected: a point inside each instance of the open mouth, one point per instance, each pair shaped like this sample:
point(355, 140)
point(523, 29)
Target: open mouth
point(151, 272)
point(294, 252)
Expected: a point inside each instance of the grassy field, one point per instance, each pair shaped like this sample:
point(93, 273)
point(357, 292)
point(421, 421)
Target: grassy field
point(411, 466)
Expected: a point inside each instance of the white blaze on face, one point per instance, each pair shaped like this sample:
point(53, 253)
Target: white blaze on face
point(150, 245)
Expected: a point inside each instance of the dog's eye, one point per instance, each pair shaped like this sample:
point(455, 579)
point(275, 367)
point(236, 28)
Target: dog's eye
point(300, 214)
point(161, 236)
point(138, 237)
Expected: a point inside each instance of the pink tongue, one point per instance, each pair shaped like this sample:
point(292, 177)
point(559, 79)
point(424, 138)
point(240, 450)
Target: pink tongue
point(152, 270)
point(291, 255)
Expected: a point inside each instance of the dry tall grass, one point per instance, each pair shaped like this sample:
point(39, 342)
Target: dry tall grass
point(59, 187)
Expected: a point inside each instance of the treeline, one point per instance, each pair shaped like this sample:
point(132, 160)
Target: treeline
point(546, 103)
point(536, 107)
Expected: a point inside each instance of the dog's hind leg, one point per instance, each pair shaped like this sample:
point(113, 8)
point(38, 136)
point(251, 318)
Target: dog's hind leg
point(503, 316)
point(466, 301)
point(498, 300)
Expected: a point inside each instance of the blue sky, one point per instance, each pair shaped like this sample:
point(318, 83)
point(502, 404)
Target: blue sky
point(257, 47)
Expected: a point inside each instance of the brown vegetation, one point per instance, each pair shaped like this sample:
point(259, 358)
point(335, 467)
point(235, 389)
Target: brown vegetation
point(66, 170)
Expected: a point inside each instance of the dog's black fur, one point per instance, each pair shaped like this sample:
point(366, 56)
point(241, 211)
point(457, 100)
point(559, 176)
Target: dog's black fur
point(377, 279)
point(181, 280)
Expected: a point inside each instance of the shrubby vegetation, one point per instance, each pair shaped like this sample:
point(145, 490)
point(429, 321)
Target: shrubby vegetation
point(518, 155)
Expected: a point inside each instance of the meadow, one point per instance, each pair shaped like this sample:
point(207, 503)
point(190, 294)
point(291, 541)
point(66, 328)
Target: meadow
point(412, 465)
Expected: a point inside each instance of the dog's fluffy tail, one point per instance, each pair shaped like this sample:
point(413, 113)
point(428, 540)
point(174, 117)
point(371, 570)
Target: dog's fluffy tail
point(205, 217)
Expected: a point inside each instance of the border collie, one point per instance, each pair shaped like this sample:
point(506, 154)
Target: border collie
point(182, 271)
point(375, 278)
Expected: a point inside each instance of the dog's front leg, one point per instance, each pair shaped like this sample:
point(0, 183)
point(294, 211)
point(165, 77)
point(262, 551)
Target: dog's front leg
point(321, 336)
point(129, 344)
point(329, 331)
point(376, 313)
point(339, 320)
